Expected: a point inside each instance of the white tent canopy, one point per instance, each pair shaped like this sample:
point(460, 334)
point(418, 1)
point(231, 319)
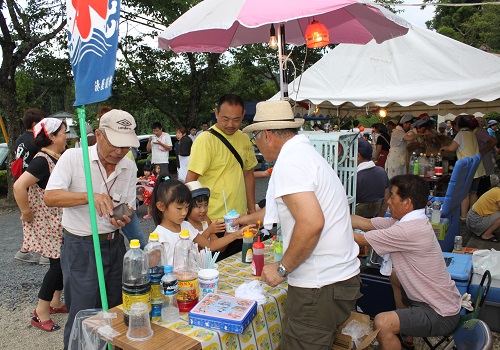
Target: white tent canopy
point(419, 69)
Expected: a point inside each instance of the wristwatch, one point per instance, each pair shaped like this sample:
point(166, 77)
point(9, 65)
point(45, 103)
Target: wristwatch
point(282, 270)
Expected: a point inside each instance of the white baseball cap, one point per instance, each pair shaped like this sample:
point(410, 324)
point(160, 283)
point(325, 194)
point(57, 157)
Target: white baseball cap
point(119, 128)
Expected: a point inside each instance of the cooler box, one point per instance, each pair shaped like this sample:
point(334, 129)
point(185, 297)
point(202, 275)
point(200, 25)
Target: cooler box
point(460, 269)
point(223, 312)
point(490, 311)
point(377, 293)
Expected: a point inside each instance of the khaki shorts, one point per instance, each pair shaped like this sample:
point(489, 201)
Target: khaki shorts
point(314, 314)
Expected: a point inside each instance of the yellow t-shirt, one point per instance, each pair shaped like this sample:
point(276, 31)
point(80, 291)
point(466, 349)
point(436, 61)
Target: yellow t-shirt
point(219, 170)
point(487, 203)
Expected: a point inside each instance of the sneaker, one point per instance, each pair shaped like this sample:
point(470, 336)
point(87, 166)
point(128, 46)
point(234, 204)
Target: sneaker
point(147, 216)
point(43, 261)
point(26, 257)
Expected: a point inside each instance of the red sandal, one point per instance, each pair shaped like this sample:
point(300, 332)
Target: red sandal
point(59, 310)
point(47, 326)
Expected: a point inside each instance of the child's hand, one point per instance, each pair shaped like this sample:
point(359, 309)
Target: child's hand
point(216, 227)
point(241, 231)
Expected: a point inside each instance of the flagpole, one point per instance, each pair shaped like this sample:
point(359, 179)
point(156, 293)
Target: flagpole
point(90, 195)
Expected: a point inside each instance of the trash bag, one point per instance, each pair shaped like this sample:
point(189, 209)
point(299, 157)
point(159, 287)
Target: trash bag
point(485, 259)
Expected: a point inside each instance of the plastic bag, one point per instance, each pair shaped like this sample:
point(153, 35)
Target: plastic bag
point(91, 334)
point(356, 330)
point(485, 259)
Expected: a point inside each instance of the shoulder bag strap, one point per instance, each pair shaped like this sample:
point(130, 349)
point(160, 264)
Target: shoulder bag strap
point(228, 145)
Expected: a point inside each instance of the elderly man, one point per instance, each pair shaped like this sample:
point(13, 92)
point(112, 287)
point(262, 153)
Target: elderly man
point(372, 184)
point(223, 159)
point(428, 300)
point(320, 255)
point(113, 180)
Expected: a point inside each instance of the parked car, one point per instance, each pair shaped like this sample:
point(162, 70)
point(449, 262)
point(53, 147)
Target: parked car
point(4, 153)
point(142, 152)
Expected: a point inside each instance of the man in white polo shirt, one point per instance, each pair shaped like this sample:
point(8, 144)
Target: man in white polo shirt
point(160, 146)
point(320, 255)
point(113, 180)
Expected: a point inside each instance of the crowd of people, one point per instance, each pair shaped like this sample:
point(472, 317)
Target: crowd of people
point(304, 195)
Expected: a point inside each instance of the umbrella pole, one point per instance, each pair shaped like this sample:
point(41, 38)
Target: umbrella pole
point(90, 196)
point(282, 62)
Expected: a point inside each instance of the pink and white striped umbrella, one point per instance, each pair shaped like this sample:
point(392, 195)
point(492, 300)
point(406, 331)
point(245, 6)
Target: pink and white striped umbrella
point(215, 25)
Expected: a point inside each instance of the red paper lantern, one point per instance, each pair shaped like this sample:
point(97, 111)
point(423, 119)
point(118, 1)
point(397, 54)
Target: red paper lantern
point(317, 35)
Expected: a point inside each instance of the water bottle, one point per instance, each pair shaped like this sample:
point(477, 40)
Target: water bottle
point(246, 249)
point(431, 167)
point(258, 257)
point(169, 288)
point(156, 257)
point(421, 164)
point(436, 212)
point(415, 167)
point(135, 279)
point(439, 165)
point(186, 273)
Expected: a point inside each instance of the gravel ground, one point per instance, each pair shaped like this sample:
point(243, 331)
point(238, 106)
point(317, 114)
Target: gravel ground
point(20, 283)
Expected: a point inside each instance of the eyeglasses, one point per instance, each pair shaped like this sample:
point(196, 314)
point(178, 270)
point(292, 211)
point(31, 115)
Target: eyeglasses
point(112, 146)
point(252, 140)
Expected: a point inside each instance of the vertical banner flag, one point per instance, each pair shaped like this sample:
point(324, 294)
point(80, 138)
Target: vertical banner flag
point(93, 42)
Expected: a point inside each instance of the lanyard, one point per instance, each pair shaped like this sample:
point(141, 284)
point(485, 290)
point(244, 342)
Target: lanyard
point(105, 184)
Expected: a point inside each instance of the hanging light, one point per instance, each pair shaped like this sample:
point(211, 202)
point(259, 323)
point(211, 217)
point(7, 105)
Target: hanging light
point(317, 35)
point(382, 113)
point(273, 42)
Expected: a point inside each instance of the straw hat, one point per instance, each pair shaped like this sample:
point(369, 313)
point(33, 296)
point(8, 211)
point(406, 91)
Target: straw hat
point(273, 115)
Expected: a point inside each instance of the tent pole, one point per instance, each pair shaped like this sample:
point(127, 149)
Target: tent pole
point(282, 62)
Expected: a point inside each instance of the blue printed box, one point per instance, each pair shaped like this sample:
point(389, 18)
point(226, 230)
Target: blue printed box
point(223, 312)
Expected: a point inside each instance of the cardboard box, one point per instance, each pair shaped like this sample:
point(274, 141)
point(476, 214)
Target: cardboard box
point(441, 228)
point(345, 342)
point(223, 312)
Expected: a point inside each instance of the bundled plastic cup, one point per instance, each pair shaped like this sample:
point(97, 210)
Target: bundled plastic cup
point(208, 280)
point(229, 218)
point(139, 326)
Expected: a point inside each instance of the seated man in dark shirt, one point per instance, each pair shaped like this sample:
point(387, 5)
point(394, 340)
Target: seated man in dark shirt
point(372, 186)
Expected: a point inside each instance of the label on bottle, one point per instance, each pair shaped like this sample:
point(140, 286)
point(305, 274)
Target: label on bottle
point(439, 170)
point(248, 256)
point(188, 290)
point(156, 295)
point(169, 287)
point(129, 299)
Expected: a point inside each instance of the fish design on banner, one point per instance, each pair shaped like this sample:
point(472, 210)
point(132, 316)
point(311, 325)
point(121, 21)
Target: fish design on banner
point(92, 43)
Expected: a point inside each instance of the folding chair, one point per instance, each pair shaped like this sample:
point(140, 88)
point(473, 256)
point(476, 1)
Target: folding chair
point(482, 292)
point(472, 335)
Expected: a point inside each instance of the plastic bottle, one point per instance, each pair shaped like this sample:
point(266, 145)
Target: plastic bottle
point(246, 249)
point(186, 273)
point(436, 212)
point(169, 289)
point(439, 165)
point(413, 158)
point(415, 167)
point(135, 279)
point(421, 164)
point(258, 257)
point(156, 255)
point(431, 166)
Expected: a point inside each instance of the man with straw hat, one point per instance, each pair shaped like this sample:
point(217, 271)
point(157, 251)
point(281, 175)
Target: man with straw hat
point(113, 181)
point(320, 256)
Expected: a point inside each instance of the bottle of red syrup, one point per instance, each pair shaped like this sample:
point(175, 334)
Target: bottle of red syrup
point(258, 257)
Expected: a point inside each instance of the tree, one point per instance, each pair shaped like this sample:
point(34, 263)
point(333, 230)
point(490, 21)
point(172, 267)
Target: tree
point(23, 30)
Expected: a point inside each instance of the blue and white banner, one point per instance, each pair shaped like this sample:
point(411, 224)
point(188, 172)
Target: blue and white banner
point(93, 42)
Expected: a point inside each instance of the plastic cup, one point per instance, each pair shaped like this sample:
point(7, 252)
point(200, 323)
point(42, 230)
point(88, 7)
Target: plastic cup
point(139, 326)
point(208, 281)
point(228, 220)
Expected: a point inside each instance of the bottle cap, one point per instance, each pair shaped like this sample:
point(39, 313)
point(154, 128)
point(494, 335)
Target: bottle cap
point(258, 244)
point(153, 236)
point(135, 243)
point(248, 233)
point(184, 234)
point(168, 269)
